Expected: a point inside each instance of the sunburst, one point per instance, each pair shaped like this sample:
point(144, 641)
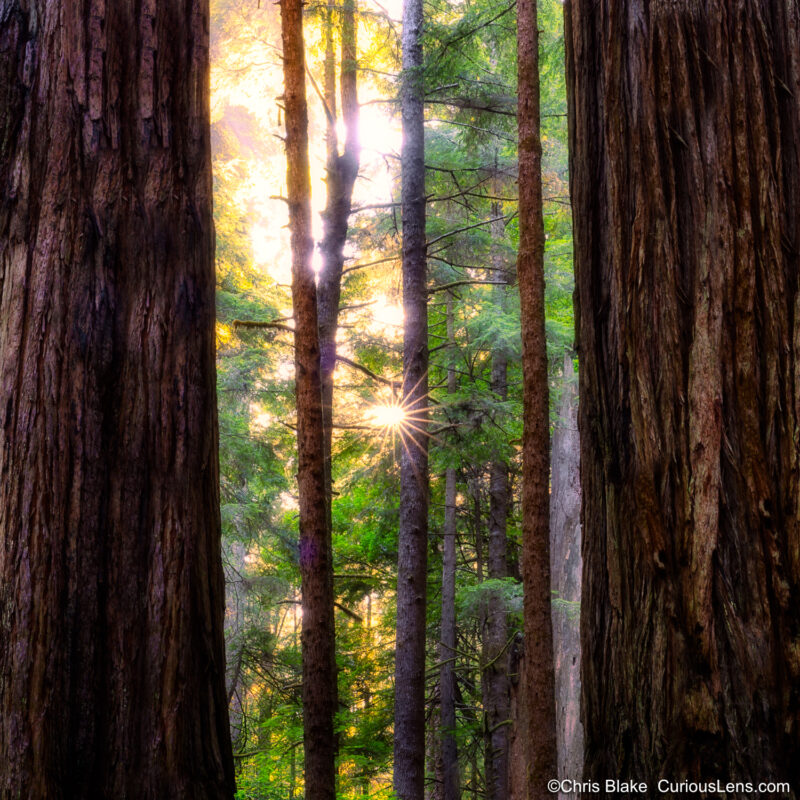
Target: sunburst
point(391, 417)
point(407, 419)
point(386, 415)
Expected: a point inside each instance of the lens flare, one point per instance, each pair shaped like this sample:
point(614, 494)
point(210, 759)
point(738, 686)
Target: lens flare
point(386, 416)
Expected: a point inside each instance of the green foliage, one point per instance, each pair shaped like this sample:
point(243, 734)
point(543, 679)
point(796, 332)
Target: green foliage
point(471, 601)
point(570, 608)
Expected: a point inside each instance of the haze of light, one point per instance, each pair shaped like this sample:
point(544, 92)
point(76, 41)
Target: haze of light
point(257, 90)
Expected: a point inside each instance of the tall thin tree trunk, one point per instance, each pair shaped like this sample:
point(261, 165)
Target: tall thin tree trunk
point(365, 785)
point(520, 730)
point(686, 196)
point(565, 561)
point(478, 530)
point(112, 658)
point(409, 711)
point(475, 792)
point(317, 635)
point(433, 739)
point(342, 171)
point(495, 673)
point(447, 652)
point(538, 676)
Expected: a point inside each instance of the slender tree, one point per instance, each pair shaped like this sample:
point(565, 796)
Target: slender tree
point(316, 570)
point(409, 714)
point(112, 657)
point(686, 195)
point(538, 682)
point(342, 170)
point(450, 789)
point(495, 679)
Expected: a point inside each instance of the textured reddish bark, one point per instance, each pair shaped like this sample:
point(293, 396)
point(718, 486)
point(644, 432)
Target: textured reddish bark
point(316, 568)
point(538, 684)
point(685, 134)
point(112, 656)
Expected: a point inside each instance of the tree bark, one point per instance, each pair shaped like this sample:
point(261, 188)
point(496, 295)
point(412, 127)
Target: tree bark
point(316, 570)
point(566, 564)
point(409, 711)
point(447, 652)
point(686, 195)
point(539, 681)
point(111, 589)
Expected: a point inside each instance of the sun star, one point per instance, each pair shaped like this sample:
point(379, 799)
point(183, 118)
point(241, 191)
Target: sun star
point(387, 416)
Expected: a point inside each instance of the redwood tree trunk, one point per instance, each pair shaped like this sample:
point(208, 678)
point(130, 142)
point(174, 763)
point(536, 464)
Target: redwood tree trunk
point(686, 197)
point(111, 589)
point(538, 677)
point(316, 569)
point(409, 711)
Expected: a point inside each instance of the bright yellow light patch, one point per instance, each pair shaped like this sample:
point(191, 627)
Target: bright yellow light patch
point(387, 314)
point(391, 416)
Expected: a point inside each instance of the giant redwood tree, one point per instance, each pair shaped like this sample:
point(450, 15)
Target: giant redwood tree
point(111, 588)
point(685, 135)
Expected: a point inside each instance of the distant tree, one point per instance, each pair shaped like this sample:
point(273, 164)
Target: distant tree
point(495, 678)
point(686, 195)
point(341, 173)
point(111, 607)
point(565, 562)
point(450, 777)
point(316, 565)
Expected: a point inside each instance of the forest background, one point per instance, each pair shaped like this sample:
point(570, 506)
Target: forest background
point(473, 326)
